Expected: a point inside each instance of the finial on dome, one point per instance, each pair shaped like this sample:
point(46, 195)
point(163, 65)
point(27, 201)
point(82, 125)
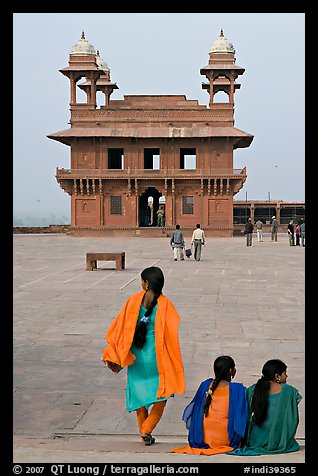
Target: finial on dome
point(222, 45)
point(82, 47)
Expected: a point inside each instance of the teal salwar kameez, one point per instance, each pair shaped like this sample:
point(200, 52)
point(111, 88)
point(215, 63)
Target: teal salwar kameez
point(142, 375)
point(277, 432)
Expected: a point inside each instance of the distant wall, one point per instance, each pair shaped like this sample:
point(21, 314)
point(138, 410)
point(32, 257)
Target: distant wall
point(238, 230)
point(41, 229)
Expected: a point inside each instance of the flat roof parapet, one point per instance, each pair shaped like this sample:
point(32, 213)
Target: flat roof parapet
point(178, 101)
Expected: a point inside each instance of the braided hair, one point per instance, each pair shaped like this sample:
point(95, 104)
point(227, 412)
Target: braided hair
point(259, 403)
point(222, 371)
point(155, 278)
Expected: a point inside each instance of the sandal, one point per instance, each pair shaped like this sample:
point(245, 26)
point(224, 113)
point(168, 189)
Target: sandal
point(148, 439)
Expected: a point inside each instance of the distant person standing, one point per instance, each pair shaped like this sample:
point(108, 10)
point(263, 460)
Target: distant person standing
point(249, 232)
point(302, 233)
point(147, 216)
point(274, 229)
point(160, 216)
point(291, 233)
point(297, 234)
point(259, 229)
point(163, 217)
point(177, 243)
point(198, 240)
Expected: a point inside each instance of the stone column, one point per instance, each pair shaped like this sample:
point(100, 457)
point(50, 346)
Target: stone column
point(72, 90)
point(252, 212)
point(211, 91)
point(92, 99)
point(231, 99)
point(173, 204)
point(99, 210)
point(137, 203)
point(278, 214)
point(168, 209)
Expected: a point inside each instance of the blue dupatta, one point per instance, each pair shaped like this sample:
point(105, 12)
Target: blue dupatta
point(238, 411)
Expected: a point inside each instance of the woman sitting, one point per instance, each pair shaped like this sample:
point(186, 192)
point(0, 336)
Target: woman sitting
point(273, 413)
point(216, 417)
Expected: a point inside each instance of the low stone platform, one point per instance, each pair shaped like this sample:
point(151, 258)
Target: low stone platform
point(68, 407)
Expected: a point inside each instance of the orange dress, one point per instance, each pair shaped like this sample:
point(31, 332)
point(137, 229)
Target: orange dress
point(120, 336)
point(214, 427)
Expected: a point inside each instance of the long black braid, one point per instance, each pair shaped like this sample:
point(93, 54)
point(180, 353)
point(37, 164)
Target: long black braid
point(259, 403)
point(222, 366)
point(155, 278)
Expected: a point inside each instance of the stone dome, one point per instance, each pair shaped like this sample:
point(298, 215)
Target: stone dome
point(222, 45)
point(82, 47)
point(101, 63)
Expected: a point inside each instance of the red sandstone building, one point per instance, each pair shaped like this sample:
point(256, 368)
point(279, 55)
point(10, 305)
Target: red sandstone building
point(159, 149)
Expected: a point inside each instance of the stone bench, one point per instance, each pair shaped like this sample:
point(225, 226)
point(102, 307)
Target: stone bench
point(92, 258)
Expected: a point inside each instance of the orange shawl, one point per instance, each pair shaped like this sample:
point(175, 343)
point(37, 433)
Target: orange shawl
point(169, 361)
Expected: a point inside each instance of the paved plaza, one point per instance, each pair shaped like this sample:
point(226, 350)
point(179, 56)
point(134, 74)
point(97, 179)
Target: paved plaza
point(247, 302)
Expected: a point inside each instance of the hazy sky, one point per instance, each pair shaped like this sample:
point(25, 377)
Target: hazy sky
point(161, 53)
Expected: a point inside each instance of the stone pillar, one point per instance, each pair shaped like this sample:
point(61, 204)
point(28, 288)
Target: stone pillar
point(173, 204)
point(211, 92)
point(99, 210)
point(72, 91)
point(231, 99)
point(92, 99)
point(203, 209)
point(168, 209)
point(137, 203)
point(278, 213)
point(73, 214)
point(252, 212)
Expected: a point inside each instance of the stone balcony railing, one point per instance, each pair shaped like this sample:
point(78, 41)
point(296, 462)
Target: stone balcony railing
point(149, 173)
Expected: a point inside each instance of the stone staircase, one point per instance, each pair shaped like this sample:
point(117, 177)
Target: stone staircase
point(153, 232)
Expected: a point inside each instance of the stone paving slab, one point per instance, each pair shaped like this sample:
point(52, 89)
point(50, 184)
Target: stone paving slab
point(244, 301)
point(125, 449)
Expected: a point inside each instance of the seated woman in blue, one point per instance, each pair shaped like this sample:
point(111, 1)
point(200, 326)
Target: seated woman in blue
point(217, 415)
point(273, 413)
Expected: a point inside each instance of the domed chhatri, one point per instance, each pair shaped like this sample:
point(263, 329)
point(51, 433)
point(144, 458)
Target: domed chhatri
point(101, 63)
point(222, 45)
point(82, 47)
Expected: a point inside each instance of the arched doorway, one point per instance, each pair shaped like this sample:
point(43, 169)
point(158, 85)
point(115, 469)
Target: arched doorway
point(145, 202)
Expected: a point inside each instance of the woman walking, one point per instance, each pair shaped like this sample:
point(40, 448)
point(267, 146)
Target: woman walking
point(144, 338)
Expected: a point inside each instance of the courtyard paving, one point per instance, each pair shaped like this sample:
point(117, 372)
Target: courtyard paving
point(247, 302)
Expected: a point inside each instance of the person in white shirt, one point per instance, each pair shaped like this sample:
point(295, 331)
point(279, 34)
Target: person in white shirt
point(177, 243)
point(259, 229)
point(198, 239)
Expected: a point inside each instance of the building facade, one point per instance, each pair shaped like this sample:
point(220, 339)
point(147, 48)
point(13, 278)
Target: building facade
point(264, 210)
point(144, 152)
